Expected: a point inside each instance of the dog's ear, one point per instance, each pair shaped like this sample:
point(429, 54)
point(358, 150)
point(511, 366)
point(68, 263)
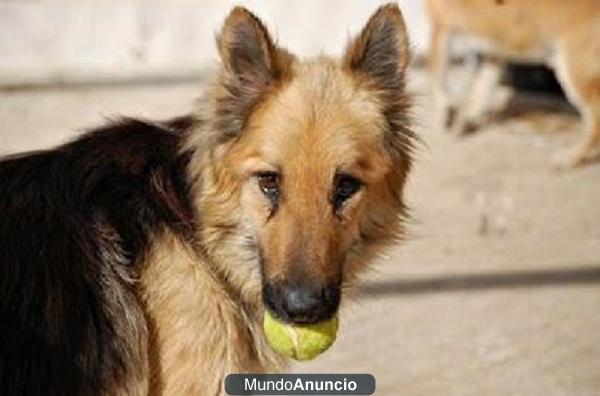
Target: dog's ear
point(378, 56)
point(247, 51)
point(381, 50)
point(251, 62)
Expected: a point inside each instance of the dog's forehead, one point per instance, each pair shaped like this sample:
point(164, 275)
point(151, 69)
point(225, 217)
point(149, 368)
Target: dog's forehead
point(321, 113)
point(323, 88)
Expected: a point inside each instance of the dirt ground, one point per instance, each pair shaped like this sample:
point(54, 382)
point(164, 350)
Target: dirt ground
point(496, 291)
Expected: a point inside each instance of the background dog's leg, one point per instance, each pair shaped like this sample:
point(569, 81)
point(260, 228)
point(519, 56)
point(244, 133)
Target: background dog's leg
point(473, 110)
point(588, 148)
point(578, 70)
point(438, 68)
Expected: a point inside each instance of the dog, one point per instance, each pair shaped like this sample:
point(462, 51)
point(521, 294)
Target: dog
point(561, 34)
point(139, 258)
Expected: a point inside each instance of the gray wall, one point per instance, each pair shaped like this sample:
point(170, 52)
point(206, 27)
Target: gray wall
point(70, 40)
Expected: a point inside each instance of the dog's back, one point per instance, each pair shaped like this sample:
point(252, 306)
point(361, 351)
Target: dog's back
point(73, 221)
point(522, 28)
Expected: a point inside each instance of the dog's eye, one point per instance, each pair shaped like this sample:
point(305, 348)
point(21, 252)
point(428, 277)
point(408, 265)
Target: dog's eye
point(268, 182)
point(345, 187)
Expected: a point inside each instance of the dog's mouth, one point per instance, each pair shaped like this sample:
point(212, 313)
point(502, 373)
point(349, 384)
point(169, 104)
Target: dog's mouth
point(302, 304)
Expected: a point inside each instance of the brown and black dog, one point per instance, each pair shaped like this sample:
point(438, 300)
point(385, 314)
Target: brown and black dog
point(139, 258)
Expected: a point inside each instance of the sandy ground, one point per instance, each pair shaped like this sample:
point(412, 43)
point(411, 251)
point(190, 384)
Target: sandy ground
point(495, 292)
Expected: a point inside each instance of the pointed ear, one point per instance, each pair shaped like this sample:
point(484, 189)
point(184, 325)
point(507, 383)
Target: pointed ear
point(251, 62)
point(381, 50)
point(247, 51)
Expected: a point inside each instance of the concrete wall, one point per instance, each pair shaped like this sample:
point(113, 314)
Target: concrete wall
point(71, 40)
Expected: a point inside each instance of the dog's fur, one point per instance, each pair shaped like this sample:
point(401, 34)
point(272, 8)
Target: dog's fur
point(134, 260)
point(562, 34)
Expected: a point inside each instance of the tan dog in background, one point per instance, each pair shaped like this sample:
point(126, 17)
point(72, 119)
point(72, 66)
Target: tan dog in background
point(562, 34)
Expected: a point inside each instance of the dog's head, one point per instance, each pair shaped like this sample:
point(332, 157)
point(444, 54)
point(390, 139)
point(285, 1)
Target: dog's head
point(307, 162)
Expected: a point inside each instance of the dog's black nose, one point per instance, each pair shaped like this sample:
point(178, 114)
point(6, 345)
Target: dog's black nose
point(302, 304)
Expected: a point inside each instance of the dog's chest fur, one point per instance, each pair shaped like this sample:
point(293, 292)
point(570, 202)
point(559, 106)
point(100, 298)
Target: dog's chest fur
point(199, 333)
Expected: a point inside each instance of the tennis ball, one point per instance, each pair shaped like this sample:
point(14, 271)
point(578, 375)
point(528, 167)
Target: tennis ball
point(300, 342)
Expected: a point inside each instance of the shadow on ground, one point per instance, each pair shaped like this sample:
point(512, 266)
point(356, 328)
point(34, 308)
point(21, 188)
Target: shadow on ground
point(473, 282)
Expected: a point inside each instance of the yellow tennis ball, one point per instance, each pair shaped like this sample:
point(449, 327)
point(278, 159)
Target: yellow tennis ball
point(300, 342)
